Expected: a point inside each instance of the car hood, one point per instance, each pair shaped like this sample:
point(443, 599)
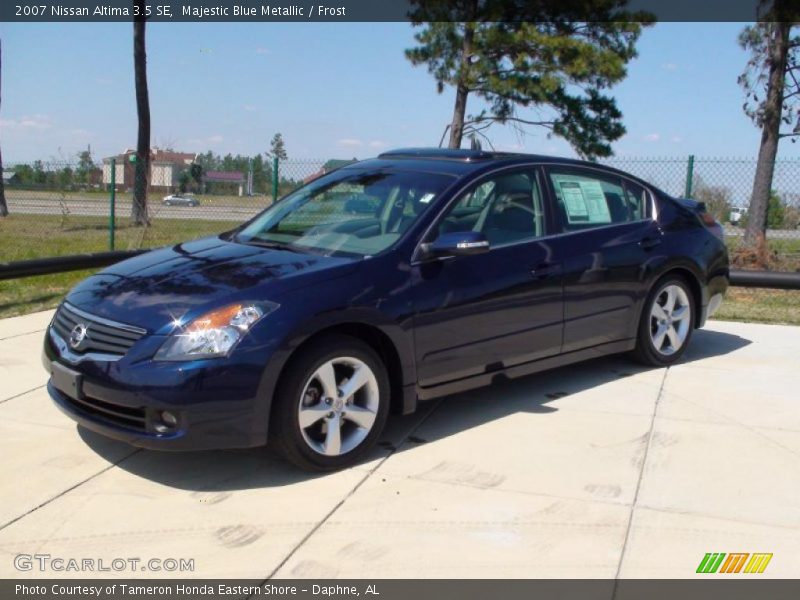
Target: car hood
point(152, 289)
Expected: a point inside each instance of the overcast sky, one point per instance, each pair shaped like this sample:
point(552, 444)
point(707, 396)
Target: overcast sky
point(338, 90)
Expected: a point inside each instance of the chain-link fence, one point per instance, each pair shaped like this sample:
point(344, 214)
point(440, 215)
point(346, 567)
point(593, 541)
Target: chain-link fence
point(60, 209)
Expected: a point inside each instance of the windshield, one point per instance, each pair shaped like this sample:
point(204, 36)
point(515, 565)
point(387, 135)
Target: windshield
point(349, 211)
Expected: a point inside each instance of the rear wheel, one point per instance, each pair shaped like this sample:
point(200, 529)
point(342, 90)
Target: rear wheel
point(667, 323)
point(331, 404)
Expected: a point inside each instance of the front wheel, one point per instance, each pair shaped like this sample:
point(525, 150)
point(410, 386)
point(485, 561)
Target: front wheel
point(331, 404)
point(667, 322)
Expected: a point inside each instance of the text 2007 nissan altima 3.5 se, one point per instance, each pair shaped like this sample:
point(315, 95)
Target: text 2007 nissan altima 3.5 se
point(391, 281)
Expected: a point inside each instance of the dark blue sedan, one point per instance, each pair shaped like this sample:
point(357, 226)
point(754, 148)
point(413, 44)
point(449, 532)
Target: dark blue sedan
point(385, 283)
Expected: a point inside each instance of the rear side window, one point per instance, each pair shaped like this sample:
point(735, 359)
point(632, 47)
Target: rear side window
point(586, 199)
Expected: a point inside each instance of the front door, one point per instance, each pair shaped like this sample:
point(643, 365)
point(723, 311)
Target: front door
point(482, 313)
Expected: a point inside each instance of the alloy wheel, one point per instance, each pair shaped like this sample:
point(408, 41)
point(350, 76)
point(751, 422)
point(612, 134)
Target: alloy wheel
point(338, 406)
point(670, 319)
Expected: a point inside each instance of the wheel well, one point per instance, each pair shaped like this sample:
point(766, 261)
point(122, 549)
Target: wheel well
point(694, 286)
point(379, 342)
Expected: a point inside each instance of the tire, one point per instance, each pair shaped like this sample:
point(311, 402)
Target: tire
point(306, 388)
point(665, 333)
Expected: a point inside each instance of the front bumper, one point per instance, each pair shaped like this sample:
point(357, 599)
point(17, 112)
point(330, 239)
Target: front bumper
point(216, 404)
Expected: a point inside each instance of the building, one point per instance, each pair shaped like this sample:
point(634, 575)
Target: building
point(226, 180)
point(166, 167)
point(10, 177)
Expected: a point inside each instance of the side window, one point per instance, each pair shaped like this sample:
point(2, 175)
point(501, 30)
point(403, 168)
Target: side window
point(638, 199)
point(587, 199)
point(506, 209)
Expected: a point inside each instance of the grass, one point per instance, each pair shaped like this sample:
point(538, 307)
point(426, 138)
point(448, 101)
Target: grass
point(32, 294)
point(760, 306)
point(35, 236)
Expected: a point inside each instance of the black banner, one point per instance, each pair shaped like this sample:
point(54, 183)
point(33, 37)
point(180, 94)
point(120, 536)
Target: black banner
point(745, 587)
point(330, 11)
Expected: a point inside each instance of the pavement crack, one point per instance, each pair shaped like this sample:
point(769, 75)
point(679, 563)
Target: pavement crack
point(639, 481)
point(355, 488)
point(69, 489)
point(38, 387)
point(17, 335)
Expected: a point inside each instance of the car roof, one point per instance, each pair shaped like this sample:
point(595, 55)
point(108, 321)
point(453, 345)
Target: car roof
point(457, 161)
point(460, 161)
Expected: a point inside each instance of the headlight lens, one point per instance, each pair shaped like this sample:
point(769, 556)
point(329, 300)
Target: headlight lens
point(213, 334)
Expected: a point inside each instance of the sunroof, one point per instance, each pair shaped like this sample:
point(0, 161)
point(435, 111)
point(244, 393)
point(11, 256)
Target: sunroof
point(442, 153)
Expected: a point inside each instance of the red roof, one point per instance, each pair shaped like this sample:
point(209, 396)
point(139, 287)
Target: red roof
point(231, 176)
point(158, 155)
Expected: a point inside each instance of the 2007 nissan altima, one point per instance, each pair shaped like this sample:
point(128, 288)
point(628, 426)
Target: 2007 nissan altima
point(391, 281)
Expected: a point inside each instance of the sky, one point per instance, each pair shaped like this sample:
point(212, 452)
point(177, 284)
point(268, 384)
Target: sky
point(332, 90)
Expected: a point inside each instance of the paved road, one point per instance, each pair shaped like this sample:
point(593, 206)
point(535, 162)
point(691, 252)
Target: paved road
point(93, 208)
point(598, 470)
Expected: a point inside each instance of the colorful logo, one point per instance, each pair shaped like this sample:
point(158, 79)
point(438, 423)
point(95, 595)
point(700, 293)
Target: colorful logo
point(735, 562)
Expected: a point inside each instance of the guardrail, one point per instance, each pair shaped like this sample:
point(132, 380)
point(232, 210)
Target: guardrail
point(61, 264)
point(780, 280)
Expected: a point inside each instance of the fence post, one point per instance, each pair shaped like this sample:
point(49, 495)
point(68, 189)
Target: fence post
point(689, 176)
point(274, 179)
point(112, 199)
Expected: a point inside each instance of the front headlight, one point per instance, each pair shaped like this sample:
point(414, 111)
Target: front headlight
point(213, 334)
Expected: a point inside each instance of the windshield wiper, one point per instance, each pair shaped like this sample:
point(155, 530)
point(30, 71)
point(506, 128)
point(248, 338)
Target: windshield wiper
point(272, 245)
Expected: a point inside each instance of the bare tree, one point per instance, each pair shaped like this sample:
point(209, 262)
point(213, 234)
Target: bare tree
point(772, 87)
point(139, 206)
point(3, 205)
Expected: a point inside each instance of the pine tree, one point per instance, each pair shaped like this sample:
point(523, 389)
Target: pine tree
point(277, 147)
point(554, 59)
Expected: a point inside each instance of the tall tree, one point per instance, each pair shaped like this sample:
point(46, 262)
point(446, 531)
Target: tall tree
point(85, 166)
point(553, 57)
point(771, 82)
point(142, 169)
point(3, 205)
point(277, 147)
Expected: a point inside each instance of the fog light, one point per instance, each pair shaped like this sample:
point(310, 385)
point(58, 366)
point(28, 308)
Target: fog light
point(168, 422)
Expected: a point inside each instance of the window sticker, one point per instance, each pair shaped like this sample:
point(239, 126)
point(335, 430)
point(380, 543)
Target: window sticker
point(584, 202)
point(426, 198)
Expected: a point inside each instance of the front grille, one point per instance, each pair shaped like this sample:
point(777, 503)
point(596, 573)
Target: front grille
point(131, 418)
point(102, 335)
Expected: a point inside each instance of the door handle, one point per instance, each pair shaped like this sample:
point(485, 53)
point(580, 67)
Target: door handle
point(651, 241)
point(546, 270)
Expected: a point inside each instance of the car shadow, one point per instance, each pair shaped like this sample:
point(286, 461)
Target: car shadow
point(213, 474)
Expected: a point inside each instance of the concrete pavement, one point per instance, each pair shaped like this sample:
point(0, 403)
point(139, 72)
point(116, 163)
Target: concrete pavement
point(597, 470)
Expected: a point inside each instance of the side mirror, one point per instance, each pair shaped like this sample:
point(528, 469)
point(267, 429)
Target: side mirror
point(457, 243)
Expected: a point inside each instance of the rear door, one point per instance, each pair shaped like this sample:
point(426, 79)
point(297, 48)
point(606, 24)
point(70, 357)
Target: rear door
point(606, 234)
